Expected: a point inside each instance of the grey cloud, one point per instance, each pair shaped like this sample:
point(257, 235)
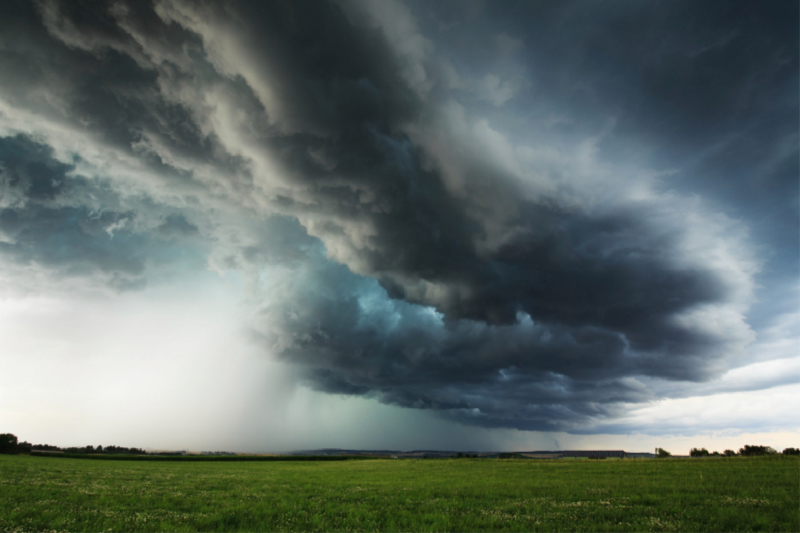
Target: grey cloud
point(95, 76)
point(353, 339)
point(177, 225)
point(29, 171)
point(708, 89)
point(47, 219)
point(479, 299)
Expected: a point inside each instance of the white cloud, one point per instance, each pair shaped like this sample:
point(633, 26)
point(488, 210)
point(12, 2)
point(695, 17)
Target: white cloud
point(742, 411)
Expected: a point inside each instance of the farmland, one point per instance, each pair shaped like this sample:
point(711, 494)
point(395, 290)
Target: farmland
point(715, 494)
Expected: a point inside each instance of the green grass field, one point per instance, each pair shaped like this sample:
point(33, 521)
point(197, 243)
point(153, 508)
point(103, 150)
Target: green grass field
point(725, 494)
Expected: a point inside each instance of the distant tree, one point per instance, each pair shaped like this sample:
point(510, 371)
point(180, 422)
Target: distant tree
point(702, 452)
point(8, 443)
point(122, 449)
point(749, 450)
point(791, 451)
point(24, 447)
point(729, 453)
point(661, 452)
point(99, 449)
point(460, 455)
point(715, 453)
point(46, 447)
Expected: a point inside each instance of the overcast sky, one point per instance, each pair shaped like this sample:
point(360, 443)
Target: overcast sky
point(263, 226)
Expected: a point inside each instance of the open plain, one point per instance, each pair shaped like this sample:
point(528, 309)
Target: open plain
point(716, 494)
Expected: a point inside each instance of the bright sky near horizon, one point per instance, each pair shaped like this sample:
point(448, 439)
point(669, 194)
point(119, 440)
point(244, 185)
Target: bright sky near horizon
point(466, 225)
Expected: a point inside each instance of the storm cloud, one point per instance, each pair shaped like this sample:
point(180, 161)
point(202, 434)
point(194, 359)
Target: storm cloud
point(523, 229)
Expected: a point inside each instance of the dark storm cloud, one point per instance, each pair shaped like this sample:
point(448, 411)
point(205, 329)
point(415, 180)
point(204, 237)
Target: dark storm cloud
point(47, 219)
point(425, 272)
point(88, 70)
point(560, 370)
point(354, 340)
point(709, 89)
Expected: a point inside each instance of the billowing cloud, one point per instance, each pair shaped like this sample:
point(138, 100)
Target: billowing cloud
point(481, 238)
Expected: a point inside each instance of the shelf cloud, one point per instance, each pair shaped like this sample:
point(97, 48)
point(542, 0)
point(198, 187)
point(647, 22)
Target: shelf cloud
point(535, 227)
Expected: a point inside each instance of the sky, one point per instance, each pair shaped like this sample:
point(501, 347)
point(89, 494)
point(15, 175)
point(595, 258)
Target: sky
point(463, 225)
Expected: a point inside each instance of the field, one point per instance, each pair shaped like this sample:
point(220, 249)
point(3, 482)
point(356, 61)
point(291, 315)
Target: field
point(716, 494)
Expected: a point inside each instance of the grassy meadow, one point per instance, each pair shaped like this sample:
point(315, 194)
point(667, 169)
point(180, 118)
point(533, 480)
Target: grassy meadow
point(714, 494)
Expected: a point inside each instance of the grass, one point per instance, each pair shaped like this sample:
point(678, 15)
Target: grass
point(725, 494)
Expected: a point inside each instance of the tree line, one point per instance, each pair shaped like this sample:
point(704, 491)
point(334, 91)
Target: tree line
point(9, 444)
point(747, 451)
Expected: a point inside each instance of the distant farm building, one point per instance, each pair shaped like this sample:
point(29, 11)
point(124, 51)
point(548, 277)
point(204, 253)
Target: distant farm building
point(594, 454)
